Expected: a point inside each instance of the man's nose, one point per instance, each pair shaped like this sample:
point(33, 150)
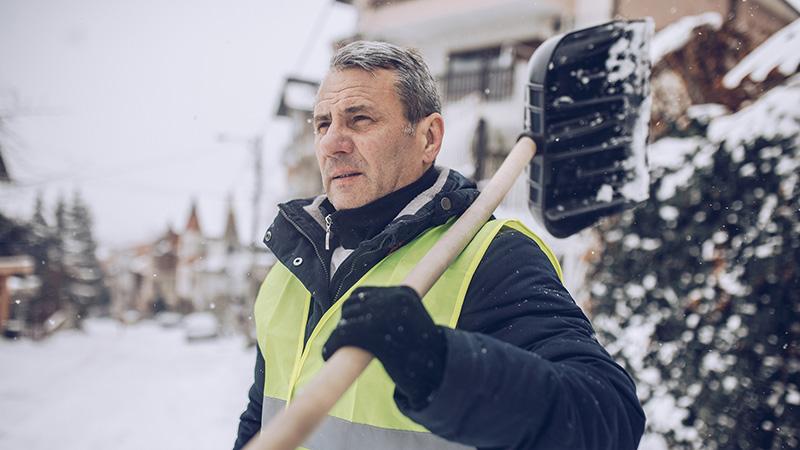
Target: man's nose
point(337, 139)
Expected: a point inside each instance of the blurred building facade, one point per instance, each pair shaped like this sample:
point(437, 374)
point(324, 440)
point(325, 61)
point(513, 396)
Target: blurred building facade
point(187, 271)
point(14, 283)
point(298, 158)
point(759, 18)
point(478, 51)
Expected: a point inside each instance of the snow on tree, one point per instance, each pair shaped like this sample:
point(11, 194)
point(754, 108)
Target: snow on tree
point(37, 240)
point(697, 292)
point(69, 277)
point(778, 52)
point(85, 285)
point(694, 54)
point(676, 35)
point(43, 247)
point(38, 220)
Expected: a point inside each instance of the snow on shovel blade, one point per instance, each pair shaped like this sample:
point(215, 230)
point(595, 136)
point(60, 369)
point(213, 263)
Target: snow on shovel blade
point(588, 107)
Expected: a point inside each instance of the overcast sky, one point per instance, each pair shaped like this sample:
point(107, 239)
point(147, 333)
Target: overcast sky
point(124, 101)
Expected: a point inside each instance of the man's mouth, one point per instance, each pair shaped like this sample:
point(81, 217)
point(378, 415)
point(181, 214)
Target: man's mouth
point(346, 175)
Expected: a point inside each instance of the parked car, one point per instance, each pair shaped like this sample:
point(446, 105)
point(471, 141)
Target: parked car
point(168, 319)
point(201, 325)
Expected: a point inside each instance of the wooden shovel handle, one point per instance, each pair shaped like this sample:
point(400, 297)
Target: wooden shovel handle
point(290, 428)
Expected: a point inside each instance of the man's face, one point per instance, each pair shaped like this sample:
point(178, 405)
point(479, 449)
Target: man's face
point(363, 145)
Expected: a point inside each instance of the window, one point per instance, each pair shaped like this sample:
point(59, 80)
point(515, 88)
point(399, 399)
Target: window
point(487, 72)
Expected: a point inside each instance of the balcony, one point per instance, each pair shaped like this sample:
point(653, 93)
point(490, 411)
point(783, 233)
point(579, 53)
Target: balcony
point(492, 84)
point(381, 3)
point(420, 22)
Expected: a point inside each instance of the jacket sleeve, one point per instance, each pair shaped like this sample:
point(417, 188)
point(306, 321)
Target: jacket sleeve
point(250, 420)
point(524, 369)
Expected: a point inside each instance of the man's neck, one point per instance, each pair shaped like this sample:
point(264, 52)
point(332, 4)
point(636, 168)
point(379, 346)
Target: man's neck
point(350, 227)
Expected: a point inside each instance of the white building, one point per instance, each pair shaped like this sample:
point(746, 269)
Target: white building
point(297, 104)
point(478, 50)
point(189, 271)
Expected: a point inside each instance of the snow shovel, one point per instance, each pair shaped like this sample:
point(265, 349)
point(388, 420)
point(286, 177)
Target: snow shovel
point(587, 112)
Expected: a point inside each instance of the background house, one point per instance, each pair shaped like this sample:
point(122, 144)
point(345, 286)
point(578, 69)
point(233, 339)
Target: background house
point(297, 104)
point(189, 271)
point(695, 292)
point(478, 51)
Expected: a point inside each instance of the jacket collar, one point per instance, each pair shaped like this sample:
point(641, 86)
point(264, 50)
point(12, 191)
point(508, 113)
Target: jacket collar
point(460, 191)
point(298, 232)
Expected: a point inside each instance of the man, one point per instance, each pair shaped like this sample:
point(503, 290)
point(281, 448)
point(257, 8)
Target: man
point(497, 355)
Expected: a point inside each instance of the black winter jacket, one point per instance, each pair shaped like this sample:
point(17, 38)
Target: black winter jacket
point(523, 370)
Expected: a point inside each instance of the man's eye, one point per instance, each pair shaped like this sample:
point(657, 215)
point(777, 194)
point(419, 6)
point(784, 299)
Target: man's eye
point(361, 118)
point(321, 127)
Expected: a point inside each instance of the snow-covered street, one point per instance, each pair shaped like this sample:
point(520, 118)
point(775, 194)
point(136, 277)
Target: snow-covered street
point(122, 387)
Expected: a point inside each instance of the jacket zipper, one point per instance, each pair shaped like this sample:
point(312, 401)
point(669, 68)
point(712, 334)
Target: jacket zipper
point(349, 273)
point(328, 222)
point(344, 278)
point(316, 250)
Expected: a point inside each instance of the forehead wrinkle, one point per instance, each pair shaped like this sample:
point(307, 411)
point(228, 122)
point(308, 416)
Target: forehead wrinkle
point(333, 92)
point(351, 103)
point(350, 110)
point(358, 108)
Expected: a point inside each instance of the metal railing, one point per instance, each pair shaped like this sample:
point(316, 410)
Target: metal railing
point(492, 84)
point(382, 3)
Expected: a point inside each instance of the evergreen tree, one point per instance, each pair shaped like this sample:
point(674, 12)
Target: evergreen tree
point(61, 216)
point(85, 284)
point(44, 249)
point(13, 236)
point(56, 255)
point(38, 219)
point(38, 241)
point(698, 291)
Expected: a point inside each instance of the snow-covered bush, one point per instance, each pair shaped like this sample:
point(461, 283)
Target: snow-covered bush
point(697, 292)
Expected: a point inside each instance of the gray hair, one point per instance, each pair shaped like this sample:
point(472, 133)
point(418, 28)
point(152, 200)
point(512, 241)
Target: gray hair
point(416, 86)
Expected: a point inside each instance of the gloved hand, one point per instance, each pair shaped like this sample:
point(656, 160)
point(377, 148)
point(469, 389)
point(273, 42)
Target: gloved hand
point(392, 324)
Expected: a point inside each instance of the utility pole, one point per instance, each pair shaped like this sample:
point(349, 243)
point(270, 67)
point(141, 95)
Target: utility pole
point(256, 146)
point(257, 143)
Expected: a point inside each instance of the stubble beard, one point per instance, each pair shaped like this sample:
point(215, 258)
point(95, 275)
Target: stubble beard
point(349, 196)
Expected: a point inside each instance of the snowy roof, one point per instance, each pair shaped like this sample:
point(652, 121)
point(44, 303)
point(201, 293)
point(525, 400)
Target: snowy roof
point(774, 115)
point(779, 51)
point(675, 35)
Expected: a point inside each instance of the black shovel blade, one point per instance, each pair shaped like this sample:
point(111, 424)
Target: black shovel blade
point(588, 108)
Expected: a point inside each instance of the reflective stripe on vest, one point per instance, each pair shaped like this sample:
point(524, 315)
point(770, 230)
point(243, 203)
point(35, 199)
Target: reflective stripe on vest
point(367, 409)
point(338, 434)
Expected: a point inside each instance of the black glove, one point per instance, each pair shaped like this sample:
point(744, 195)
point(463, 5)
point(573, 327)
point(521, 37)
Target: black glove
point(392, 324)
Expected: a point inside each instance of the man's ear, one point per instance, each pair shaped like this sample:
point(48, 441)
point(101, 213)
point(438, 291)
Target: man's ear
point(432, 130)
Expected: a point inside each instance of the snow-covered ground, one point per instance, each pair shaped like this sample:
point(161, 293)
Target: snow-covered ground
point(122, 387)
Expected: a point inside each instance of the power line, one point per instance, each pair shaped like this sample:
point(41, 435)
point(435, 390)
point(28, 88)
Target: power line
point(114, 171)
point(319, 21)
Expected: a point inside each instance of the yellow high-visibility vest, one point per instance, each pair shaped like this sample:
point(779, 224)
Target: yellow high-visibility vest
point(366, 417)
